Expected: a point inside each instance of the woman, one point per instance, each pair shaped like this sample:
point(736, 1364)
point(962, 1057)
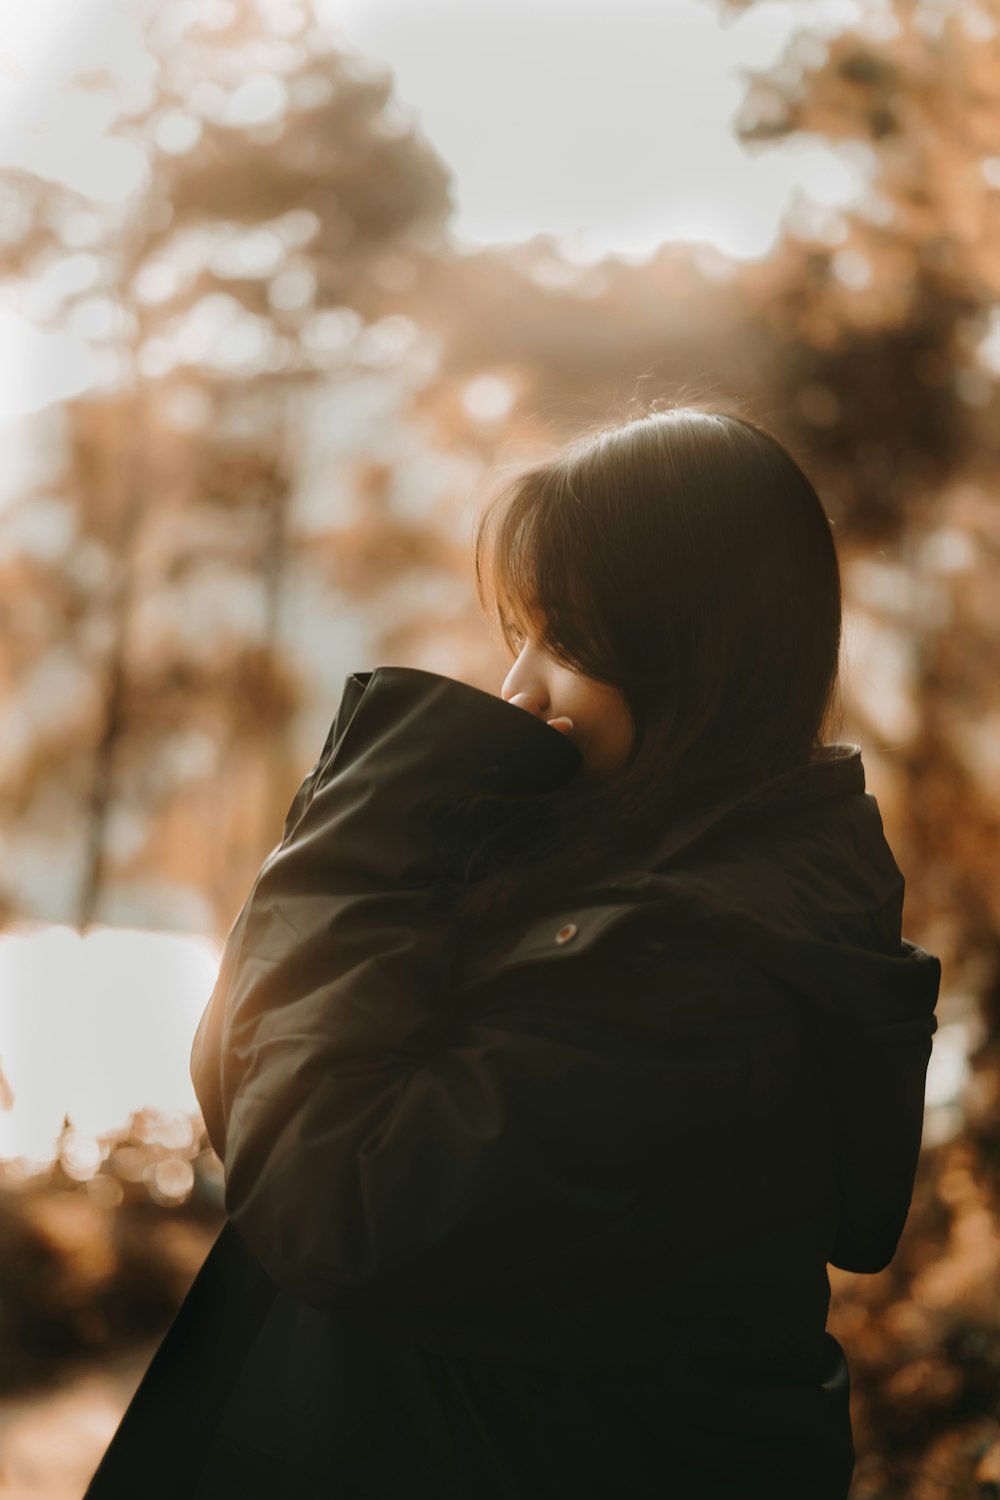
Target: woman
point(565, 1037)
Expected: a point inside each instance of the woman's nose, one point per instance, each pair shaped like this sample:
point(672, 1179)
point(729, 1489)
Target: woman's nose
point(524, 692)
point(525, 700)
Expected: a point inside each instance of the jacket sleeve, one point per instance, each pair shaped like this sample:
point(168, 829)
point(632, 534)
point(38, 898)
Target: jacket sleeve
point(370, 1139)
point(208, 1063)
point(359, 1125)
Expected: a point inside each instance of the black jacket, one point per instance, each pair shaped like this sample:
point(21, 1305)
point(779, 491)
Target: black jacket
point(549, 1215)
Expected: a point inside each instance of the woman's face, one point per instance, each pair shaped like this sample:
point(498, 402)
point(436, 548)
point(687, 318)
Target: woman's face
point(592, 714)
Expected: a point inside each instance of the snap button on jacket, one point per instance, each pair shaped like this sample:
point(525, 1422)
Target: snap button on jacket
point(548, 1214)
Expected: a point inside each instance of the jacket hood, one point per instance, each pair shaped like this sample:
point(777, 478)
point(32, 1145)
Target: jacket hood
point(800, 878)
point(802, 870)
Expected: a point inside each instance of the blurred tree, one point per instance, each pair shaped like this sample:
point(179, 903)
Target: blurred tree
point(887, 316)
point(884, 320)
point(280, 188)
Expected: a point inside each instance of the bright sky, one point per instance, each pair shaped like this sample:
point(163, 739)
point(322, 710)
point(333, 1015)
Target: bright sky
point(124, 1044)
point(604, 123)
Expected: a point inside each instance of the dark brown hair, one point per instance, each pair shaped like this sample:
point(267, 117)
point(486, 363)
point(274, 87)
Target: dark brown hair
point(684, 557)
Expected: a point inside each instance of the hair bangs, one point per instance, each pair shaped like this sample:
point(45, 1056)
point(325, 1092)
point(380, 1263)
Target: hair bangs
point(526, 567)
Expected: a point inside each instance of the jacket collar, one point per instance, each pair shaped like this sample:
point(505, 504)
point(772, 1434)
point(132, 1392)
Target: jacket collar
point(840, 773)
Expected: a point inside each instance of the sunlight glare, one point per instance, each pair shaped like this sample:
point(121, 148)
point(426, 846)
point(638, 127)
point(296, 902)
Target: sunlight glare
point(95, 1027)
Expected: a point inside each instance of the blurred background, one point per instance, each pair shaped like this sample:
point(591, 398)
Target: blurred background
point(283, 285)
